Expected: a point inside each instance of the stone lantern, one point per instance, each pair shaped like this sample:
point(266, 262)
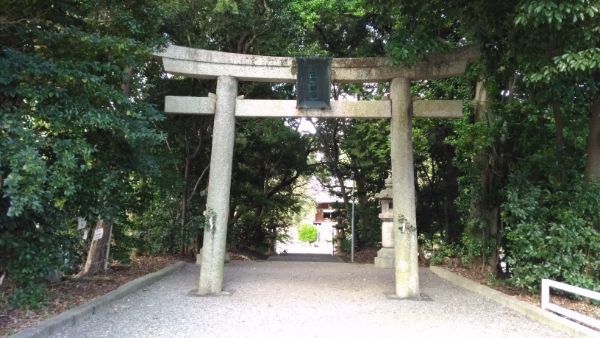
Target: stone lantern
point(385, 255)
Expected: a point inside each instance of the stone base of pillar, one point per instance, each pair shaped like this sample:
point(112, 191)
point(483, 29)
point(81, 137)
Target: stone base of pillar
point(385, 258)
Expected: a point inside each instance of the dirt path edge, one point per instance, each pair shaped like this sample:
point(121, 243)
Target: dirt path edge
point(77, 314)
point(547, 318)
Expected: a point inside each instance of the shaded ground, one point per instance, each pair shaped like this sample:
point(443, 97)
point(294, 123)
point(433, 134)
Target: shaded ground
point(240, 254)
point(298, 257)
point(70, 293)
point(291, 299)
point(362, 256)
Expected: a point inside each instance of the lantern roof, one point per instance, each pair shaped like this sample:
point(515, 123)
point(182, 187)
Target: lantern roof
point(387, 192)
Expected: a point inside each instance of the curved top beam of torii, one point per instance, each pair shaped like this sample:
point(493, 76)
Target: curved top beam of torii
point(209, 64)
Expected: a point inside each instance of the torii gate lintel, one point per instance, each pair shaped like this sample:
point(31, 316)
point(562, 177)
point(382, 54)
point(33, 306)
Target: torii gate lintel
point(207, 64)
point(443, 109)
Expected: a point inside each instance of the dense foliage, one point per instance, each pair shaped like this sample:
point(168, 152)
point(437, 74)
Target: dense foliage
point(75, 129)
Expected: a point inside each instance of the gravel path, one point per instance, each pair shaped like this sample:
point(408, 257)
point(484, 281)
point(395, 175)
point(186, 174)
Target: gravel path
point(304, 299)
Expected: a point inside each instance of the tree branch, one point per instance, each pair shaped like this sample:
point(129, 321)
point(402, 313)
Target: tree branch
point(198, 183)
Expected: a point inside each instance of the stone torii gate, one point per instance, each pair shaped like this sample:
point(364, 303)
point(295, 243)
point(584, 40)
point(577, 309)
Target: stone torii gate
point(229, 68)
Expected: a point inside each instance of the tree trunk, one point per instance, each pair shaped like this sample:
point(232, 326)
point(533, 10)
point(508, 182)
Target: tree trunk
point(271, 240)
point(481, 105)
point(184, 204)
point(482, 210)
point(341, 220)
point(365, 224)
point(559, 125)
point(592, 168)
point(97, 254)
point(186, 194)
point(97, 258)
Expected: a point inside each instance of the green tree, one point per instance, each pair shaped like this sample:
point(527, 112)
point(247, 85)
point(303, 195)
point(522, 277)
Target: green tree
point(270, 158)
point(541, 83)
point(75, 130)
point(307, 233)
point(235, 26)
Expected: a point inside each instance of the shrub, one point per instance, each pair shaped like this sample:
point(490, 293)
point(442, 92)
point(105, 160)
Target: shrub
point(435, 248)
point(473, 249)
point(31, 254)
point(347, 244)
point(307, 233)
point(553, 234)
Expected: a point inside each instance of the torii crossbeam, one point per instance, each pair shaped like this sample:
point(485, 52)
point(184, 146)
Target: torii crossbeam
point(229, 68)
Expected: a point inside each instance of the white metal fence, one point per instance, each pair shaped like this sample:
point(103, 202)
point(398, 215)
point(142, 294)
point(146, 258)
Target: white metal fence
point(548, 283)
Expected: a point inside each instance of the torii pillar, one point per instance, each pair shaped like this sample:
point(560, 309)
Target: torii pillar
point(219, 186)
point(406, 261)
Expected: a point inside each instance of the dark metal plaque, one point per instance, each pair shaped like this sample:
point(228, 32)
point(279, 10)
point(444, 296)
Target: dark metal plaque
point(313, 85)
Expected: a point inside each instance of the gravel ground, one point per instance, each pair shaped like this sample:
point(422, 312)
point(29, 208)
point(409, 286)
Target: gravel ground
point(304, 299)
